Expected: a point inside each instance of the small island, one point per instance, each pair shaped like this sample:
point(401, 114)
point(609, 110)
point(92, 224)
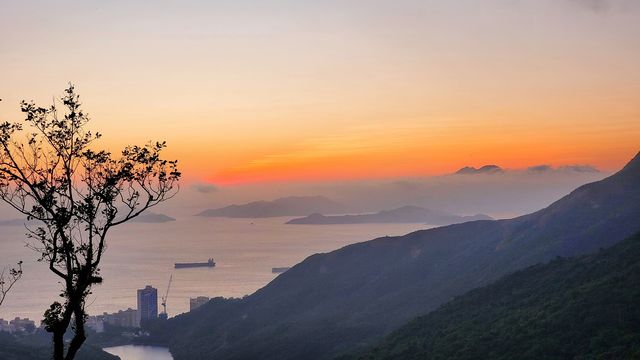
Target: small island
point(153, 218)
point(402, 215)
point(286, 206)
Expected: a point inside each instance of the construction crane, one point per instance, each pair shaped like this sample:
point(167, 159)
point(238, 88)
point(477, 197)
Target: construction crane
point(163, 314)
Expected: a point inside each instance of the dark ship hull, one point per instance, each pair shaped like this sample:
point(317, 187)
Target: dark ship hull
point(209, 263)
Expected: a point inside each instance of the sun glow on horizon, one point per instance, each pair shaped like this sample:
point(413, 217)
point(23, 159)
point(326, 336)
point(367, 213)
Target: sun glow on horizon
point(314, 91)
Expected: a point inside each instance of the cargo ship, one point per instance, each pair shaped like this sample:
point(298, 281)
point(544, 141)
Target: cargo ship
point(279, 270)
point(210, 263)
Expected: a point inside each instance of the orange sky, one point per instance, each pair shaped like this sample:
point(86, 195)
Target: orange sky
point(247, 91)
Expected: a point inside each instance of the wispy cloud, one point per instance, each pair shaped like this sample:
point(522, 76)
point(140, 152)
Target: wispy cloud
point(565, 168)
point(205, 188)
point(539, 168)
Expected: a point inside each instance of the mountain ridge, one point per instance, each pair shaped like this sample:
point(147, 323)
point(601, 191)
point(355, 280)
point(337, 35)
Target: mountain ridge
point(486, 169)
point(285, 206)
point(336, 302)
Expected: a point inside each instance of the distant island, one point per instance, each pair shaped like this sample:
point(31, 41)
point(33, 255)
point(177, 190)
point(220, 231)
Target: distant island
point(152, 218)
point(487, 169)
point(405, 214)
point(286, 206)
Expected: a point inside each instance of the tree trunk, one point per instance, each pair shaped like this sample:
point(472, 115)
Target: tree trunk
point(79, 336)
point(58, 344)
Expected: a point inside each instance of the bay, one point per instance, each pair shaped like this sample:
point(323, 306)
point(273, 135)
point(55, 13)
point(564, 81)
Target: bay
point(138, 352)
point(140, 254)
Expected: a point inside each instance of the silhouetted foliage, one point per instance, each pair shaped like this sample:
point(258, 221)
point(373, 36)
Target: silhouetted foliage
point(50, 172)
point(8, 278)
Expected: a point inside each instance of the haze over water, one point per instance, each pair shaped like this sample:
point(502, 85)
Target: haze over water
point(140, 254)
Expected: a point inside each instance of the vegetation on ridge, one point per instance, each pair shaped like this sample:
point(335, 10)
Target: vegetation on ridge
point(576, 308)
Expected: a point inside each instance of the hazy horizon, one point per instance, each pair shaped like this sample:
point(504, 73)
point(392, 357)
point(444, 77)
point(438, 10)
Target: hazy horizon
point(511, 193)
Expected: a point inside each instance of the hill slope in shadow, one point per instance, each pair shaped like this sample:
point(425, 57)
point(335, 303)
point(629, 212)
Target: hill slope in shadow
point(576, 308)
point(334, 303)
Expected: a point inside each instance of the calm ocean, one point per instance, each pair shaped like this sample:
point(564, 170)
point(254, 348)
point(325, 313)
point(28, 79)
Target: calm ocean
point(245, 250)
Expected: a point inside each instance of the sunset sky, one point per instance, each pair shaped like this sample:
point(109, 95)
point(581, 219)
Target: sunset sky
point(254, 91)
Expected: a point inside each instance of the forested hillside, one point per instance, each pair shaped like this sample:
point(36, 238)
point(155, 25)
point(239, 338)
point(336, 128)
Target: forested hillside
point(577, 308)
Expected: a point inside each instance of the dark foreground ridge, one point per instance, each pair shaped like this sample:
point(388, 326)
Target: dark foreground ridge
point(577, 308)
point(334, 303)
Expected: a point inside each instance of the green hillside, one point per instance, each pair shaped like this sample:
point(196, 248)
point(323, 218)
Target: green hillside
point(577, 308)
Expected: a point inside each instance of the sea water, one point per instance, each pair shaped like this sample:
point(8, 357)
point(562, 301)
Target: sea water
point(140, 254)
point(139, 352)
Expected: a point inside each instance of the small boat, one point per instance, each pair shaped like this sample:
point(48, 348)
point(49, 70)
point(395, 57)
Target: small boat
point(210, 263)
point(279, 270)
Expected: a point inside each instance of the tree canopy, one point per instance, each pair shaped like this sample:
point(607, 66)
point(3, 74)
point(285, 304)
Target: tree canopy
point(52, 172)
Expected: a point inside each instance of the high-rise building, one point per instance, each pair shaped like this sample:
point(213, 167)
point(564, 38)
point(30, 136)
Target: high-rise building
point(147, 303)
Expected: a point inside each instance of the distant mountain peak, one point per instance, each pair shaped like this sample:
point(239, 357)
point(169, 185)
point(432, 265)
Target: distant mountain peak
point(486, 169)
point(285, 206)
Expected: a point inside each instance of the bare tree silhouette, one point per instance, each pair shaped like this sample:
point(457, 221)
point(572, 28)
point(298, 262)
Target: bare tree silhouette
point(8, 278)
point(51, 173)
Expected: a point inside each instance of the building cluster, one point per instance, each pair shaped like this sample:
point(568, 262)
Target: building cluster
point(122, 318)
point(132, 318)
point(17, 325)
